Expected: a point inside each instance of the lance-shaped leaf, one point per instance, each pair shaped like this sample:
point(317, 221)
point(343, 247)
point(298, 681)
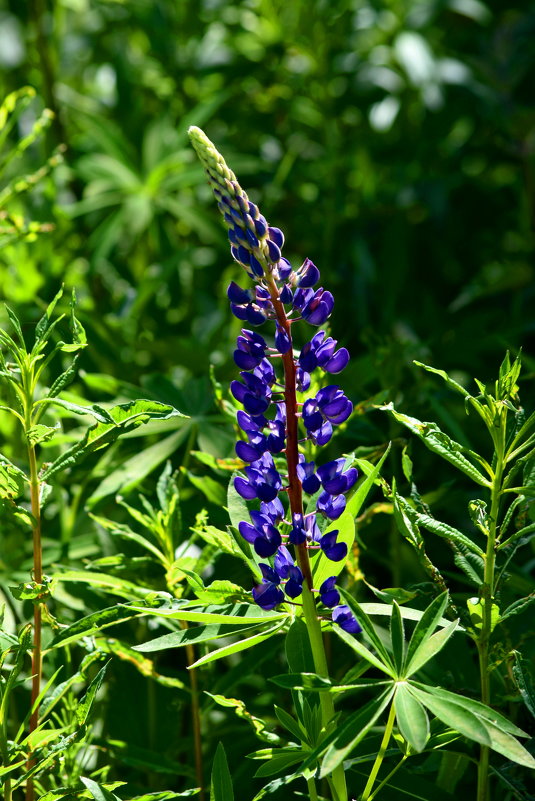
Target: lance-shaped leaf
point(411, 717)
point(322, 566)
point(125, 417)
point(372, 473)
point(92, 624)
point(192, 636)
point(350, 733)
point(437, 526)
point(241, 645)
point(369, 630)
point(221, 781)
point(429, 647)
point(439, 442)
point(12, 479)
point(426, 625)
point(231, 614)
point(475, 721)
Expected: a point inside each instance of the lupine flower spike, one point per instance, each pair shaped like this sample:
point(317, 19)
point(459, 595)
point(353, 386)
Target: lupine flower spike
point(282, 295)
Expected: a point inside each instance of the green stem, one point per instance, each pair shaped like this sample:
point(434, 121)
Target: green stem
point(388, 777)
point(312, 792)
point(487, 593)
point(380, 756)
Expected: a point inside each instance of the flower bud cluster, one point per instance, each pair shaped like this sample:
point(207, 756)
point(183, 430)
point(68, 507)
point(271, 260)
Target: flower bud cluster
point(269, 419)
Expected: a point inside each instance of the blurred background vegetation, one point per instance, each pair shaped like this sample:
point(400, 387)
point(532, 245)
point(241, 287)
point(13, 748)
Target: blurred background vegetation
point(392, 140)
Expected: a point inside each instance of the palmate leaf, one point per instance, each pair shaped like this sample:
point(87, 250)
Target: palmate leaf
point(125, 417)
point(435, 526)
point(475, 721)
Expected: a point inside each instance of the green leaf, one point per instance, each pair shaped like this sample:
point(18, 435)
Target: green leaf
point(369, 631)
point(85, 704)
point(132, 471)
point(98, 792)
point(426, 625)
point(363, 652)
point(449, 381)
point(112, 584)
point(411, 717)
point(475, 610)
point(438, 442)
point(42, 327)
point(241, 645)
point(282, 759)
point(397, 637)
point(437, 526)
point(221, 782)
point(232, 614)
point(16, 325)
point(372, 472)
point(191, 636)
point(486, 728)
point(125, 417)
point(41, 433)
point(143, 664)
point(429, 647)
point(321, 566)
point(348, 735)
point(12, 479)
point(211, 489)
point(523, 680)
point(290, 723)
point(91, 624)
point(237, 508)
point(241, 711)
point(221, 539)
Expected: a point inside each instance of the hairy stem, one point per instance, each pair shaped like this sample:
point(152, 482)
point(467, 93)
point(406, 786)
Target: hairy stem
point(381, 755)
point(295, 496)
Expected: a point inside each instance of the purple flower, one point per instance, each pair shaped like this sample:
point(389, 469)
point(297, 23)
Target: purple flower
point(335, 551)
point(268, 595)
point(250, 350)
point(262, 535)
point(315, 307)
point(329, 407)
point(328, 593)
point(331, 506)
point(346, 619)
point(320, 352)
point(248, 304)
point(266, 426)
point(307, 476)
point(254, 393)
point(334, 480)
point(263, 480)
point(307, 275)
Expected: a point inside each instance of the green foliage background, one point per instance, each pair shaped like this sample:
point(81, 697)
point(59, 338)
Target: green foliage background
point(392, 141)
